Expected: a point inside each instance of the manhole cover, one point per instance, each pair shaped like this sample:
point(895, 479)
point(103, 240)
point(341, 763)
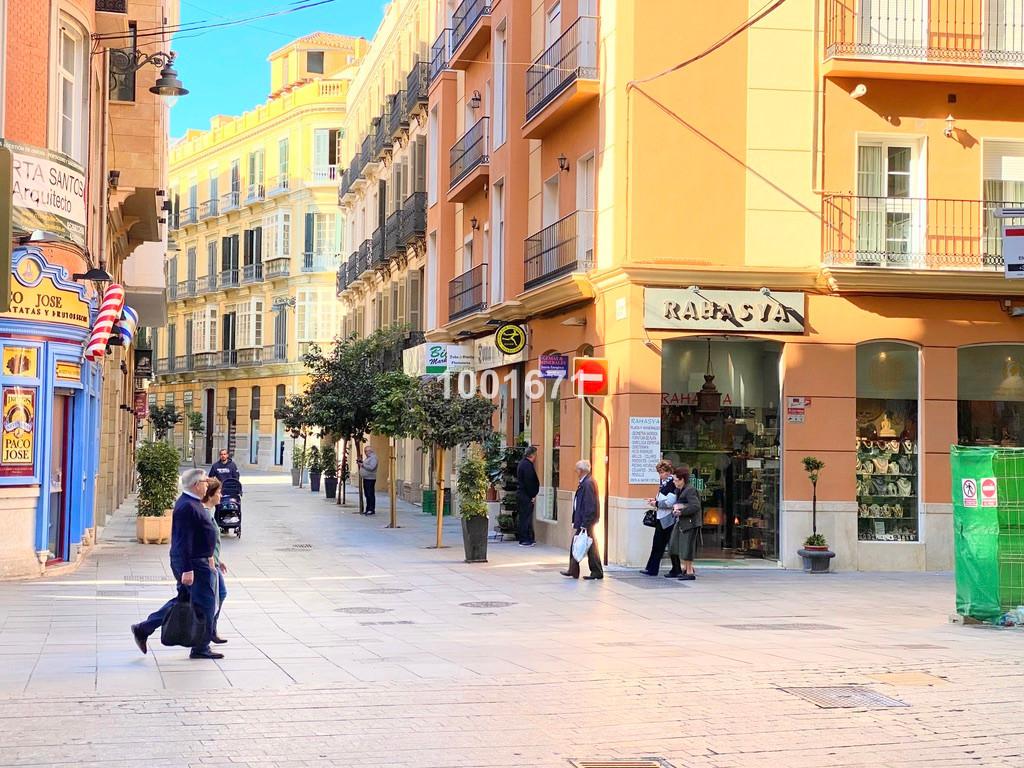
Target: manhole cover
point(383, 624)
point(384, 591)
point(487, 604)
point(845, 697)
point(797, 627)
point(362, 610)
point(294, 547)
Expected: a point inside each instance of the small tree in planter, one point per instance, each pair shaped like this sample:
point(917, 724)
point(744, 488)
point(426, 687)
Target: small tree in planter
point(472, 487)
point(297, 417)
point(394, 418)
point(815, 554)
point(316, 469)
point(157, 465)
point(329, 465)
point(298, 464)
point(163, 419)
point(195, 426)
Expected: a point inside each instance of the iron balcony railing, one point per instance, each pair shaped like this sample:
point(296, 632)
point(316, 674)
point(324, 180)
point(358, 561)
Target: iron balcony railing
point(275, 353)
point(252, 273)
point(397, 117)
point(341, 277)
point(228, 278)
point(354, 268)
point(250, 356)
point(112, 6)
point(364, 264)
point(189, 215)
point(413, 221)
point(228, 357)
point(466, 17)
point(951, 31)
point(440, 54)
point(377, 247)
point(186, 289)
point(391, 235)
point(277, 268)
point(467, 293)
point(325, 173)
point(573, 56)
point(416, 86)
point(256, 193)
point(279, 184)
point(162, 366)
point(913, 233)
point(469, 151)
point(366, 151)
point(206, 283)
point(172, 290)
point(564, 247)
point(208, 208)
point(229, 201)
point(319, 261)
point(204, 361)
point(181, 363)
point(382, 135)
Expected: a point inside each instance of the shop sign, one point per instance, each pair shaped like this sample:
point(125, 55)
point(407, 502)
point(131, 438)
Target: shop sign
point(796, 408)
point(489, 356)
point(21, 361)
point(554, 366)
point(510, 339)
point(35, 296)
point(68, 371)
point(143, 363)
point(437, 359)
point(670, 309)
point(1013, 251)
point(644, 449)
point(17, 443)
point(48, 192)
point(141, 405)
point(590, 376)
point(969, 489)
point(989, 492)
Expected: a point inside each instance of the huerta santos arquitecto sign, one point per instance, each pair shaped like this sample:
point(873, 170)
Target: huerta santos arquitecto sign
point(670, 309)
point(48, 192)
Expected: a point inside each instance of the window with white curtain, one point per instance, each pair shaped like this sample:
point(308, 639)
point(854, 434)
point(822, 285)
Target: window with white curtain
point(890, 220)
point(249, 316)
point(204, 330)
point(72, 101)
point(1003, 186)
point(316, 314)
point(277, 235)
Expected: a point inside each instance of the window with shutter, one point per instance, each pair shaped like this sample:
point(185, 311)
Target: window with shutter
point(421, 164)
point(1003, 186)
point(415, 299)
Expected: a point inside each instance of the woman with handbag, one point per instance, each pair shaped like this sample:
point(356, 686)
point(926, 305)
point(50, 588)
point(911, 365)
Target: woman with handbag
point(661, 519)
point(687, 510)
point(210, 500)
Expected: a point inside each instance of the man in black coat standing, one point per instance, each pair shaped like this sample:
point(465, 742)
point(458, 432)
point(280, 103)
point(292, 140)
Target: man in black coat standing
point(585, 514)
point(527, 488)
point(193, 538)
point(225, 470)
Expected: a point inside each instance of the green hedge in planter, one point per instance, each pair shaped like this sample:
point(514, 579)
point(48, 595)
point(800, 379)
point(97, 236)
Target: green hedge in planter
point(157, 465)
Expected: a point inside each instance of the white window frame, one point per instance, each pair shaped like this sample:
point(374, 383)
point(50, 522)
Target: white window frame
point(918, 185)
point(499, 124)
point(497, 256)
point(79, 81)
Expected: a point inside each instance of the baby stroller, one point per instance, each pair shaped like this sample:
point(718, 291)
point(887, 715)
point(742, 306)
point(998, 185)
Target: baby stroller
point(228, 514)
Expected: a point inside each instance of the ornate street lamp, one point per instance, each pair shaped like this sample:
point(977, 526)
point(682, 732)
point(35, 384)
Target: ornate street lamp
point(127, 61)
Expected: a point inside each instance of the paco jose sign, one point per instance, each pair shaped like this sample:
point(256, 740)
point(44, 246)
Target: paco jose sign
point(17, 441)
point(35, 296)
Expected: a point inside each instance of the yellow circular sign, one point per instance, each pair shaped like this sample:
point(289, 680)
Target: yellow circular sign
point(510, 339)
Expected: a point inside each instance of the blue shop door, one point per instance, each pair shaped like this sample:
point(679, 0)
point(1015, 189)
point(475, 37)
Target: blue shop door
point(60, 440)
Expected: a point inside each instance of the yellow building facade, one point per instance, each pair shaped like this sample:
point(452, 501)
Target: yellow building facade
point(258, 238)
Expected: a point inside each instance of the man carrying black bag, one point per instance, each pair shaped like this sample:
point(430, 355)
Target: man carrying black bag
point(193, 537)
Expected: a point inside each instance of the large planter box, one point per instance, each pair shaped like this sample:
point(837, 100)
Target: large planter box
point(474, 539)
point(331, 487)
point(296, 476)
point(314, 482)
point(154, 530)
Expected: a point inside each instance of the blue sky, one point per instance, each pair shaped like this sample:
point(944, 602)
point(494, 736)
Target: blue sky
point(226, 69)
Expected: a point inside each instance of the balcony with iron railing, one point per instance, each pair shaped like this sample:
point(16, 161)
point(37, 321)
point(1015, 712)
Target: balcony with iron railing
point(391, 246)
point(162, 366)
point(565, 247)
point(881, 36)
point(186, 289)
point(354, 268)
point(206, 284)
point(377, 248)
point(205, 361)
point(250, 356)
point(471, 31)
point(382, 136)
point(252, 273)
point(412, 223)
point(364, 264)
point(319, 261)
point(913, 233)
point(563, 79)
point(440, 54)
point(325, 174)
point(229, 201)
point(188, 216)
point(467, 293)
point(468, 162)
point(255, 193)
point(228, 278)
point(341, 278)
point(277, 268)
point(111, 20)
point(398, 120)
point(275, 353)
point(208, 208)
point(279, 184)
point(228, 358)
point(172, 290)
point(183, 363)
point(417, 84)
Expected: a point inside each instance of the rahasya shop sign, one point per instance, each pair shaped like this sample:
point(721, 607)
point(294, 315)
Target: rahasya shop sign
point(34, 296)
point(17, 441)
point(690, 309)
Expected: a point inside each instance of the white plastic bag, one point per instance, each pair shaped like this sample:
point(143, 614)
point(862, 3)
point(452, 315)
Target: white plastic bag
point(580, 545)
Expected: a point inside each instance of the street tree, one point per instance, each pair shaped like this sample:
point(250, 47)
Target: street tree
point(395, 417)
point(163, 418)
point(195, 426)
point(296, 417)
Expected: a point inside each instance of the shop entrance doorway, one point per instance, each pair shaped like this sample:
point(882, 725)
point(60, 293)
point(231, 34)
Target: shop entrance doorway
point(720, 406)
point(60, 439)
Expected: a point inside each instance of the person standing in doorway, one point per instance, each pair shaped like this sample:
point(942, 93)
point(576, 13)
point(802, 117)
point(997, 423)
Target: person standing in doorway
point(193, 540)
point(527, 488)
point(664, 519)
point(585, 514)
point(683, 544)
point(368, 474)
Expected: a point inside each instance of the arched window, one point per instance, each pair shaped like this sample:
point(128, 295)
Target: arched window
point(887, 441)
point(990, 395)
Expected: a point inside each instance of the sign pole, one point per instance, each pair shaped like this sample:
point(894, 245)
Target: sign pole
point(607, 480)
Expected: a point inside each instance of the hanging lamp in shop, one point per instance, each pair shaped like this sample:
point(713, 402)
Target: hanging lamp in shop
point(709, 399)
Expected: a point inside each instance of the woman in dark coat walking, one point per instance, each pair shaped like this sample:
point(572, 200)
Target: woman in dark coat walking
point(665, 520)
point(683, 543)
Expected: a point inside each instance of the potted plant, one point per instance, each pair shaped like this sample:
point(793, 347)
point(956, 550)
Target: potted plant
point(509, 519)
point(472, 488)
point(329, 463)
point(816, 555)
point(315, 469)
point(157, 465)
point(298, 464)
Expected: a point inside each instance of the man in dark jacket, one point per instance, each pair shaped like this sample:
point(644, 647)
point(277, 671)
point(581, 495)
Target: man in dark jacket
point(585, 514)
point(225, 470)
point(193, 538)
point(527, 488)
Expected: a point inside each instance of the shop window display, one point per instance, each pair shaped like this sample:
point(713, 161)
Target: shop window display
point(990, 395)
point(887, 442)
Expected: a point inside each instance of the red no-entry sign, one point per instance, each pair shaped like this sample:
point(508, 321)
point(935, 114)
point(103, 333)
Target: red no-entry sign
point(590, 376)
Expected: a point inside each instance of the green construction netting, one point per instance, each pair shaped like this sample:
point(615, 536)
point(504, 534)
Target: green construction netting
point(988, 530)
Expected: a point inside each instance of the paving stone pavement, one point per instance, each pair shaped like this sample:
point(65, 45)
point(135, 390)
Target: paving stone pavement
point(354, 645)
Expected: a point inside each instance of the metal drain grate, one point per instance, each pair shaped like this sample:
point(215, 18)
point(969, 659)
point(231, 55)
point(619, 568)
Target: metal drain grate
point(117, 593)
point(487, 604)
point(383, 624)
point(646, 762)
point(845, 697)
point(484, 613)
point(146, 579)
point(780, 627)
point(362, 610)
point(384, 591)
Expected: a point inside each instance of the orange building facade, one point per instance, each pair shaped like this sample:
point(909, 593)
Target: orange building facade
point(809, 214)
